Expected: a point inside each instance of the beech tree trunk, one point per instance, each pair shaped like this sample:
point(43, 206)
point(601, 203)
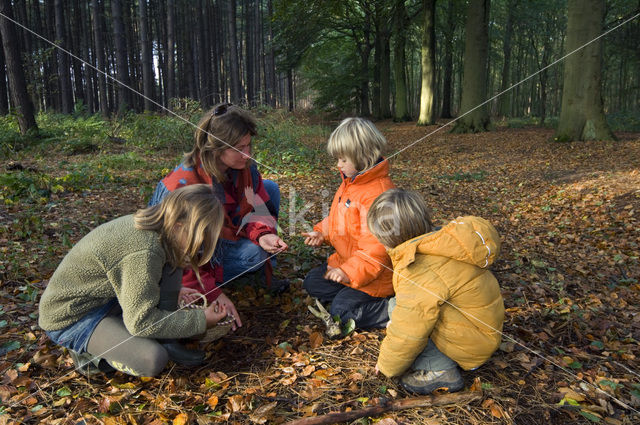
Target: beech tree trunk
point(170, 79)
point(15, 71)
point(474, 85)
point(582, 114)
point(4, 100)
point(505, 98)
point(428, 63)
point(401, 112)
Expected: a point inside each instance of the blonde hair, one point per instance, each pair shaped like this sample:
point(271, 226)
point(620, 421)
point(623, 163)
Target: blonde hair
point(357, 140)
point(221, 127)
point(199, 213)
point(398, 215)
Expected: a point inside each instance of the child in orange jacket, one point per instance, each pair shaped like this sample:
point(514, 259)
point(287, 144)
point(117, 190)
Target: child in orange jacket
point(356, 279)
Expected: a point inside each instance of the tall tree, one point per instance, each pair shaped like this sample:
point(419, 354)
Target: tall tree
point(582, 114)
point(505, 99)
point(15, 71)
point(428, 64)
point(98, 34)
point(4, 100)
point(171, 51)
point(64, 76)
point(148, 79)
point(474, 85)
point(122, 68)
point(401, 20)
point(234, 66)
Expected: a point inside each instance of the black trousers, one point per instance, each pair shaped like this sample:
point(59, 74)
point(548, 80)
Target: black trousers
point(346, 302)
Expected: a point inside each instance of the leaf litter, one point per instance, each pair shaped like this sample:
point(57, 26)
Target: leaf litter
point(568, 216)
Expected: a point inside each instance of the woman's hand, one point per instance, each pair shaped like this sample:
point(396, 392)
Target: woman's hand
point(224, 301)
point(337, 275)
point(187, 296)
point(272, 243)
point(313, 238)
point(214, 313)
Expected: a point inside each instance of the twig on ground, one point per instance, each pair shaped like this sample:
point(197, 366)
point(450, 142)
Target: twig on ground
point(390, 406)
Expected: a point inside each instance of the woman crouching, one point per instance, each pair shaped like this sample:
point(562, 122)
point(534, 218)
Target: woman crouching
point(112, 301)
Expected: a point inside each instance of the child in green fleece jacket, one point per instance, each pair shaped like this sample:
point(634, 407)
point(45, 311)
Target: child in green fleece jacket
point(112, 300)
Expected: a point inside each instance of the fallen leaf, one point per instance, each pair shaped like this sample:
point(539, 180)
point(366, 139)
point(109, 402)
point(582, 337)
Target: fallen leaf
point(235, 403)
point(180, 419)
point(308, 370)
point(212, 401)
point(316, 339)
point(262, 414)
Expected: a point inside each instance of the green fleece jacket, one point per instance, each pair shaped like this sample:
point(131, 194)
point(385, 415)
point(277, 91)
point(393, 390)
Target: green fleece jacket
point(116, 260)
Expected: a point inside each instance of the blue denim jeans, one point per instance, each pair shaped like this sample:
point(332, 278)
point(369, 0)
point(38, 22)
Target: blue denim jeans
point(244, 256)
point(76, 336)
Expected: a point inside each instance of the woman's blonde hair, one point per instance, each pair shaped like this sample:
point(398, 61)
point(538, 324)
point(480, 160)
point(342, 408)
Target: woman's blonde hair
point(357, 140)
point(221, 127)
point(398, 215)
point(193, 211)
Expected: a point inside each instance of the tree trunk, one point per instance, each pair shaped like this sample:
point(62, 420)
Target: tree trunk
point(4, 93)
point(64, 77)
point(290, 89)
point(582, 114)
point(15, 72)
point(148, 78)
point(249, 51)
point(122, 69)
point(385, 76)
point(473, 118)
point(234, 67)
point(505, 99)
point(75, 46)
point(170, 79)
point(401, 112)
point(447, 84)
point(271, 62)
point(428, 63)
point(98, 34)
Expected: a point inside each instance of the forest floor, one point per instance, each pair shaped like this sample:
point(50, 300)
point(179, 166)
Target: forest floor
point(569, 271)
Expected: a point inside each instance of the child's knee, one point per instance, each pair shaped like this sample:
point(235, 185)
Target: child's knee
point(150, 361)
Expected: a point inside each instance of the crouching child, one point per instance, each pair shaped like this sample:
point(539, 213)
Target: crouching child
point(448, 311)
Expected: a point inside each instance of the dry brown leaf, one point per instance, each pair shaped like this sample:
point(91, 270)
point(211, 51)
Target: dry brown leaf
point(180, 419)
point(289, 380)
point(262, 414)
point(316, 339)
point(212, 401)
point(308, 370)
point(235, 403)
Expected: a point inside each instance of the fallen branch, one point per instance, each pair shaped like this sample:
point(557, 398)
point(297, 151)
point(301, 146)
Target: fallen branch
point(390, 406)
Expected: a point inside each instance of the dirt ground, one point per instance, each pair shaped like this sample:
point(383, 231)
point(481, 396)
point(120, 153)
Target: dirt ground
point(568, 217)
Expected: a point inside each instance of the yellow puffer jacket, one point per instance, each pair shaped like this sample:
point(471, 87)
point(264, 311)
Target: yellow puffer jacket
point(432, 274)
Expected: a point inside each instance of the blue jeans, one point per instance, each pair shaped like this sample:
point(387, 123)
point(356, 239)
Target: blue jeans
point(244, 256)
point(76, 336)
point(348, 303)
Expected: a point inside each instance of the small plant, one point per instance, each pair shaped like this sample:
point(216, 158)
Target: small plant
point(465, 176)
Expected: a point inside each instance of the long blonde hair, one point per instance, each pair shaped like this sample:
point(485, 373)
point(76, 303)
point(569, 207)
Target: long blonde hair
point(194, 210)
point(221, 127)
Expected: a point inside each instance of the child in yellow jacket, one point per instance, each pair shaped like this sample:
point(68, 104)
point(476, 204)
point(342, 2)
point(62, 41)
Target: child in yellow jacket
point(448, 310)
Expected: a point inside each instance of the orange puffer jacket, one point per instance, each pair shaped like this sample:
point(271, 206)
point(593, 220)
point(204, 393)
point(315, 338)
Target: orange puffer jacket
point(445, 292)
point(358, 252)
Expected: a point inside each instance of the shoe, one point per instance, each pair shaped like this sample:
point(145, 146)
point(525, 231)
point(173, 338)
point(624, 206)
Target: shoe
point(279, 286)
point(427, 381)
point(348, 328)
point(182, 355)
point(333, 327)
point(89, 365)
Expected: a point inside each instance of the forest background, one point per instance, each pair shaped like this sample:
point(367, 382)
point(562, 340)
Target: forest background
point(528, 115)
